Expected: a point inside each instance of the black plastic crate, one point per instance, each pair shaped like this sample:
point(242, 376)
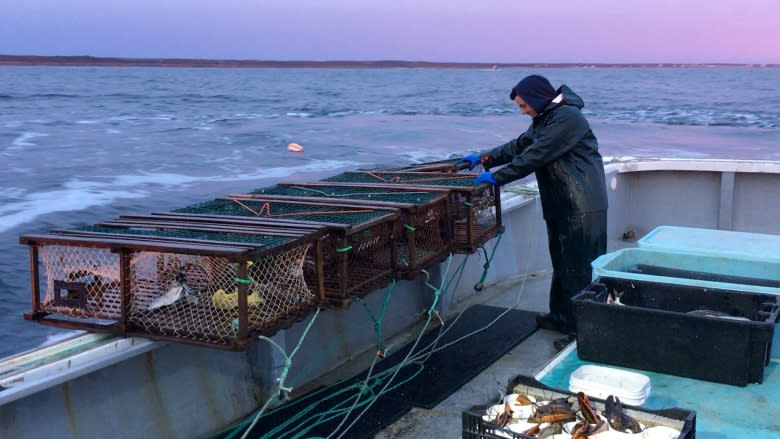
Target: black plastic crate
point(473, 426)
point(709, 334)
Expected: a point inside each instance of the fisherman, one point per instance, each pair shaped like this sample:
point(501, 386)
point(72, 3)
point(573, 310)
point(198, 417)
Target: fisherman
point(560, 147)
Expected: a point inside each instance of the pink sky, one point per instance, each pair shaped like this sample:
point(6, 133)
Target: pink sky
point(684, 31)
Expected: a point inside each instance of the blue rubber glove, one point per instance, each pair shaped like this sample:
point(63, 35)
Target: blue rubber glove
point(472, 159)
point(485, 177)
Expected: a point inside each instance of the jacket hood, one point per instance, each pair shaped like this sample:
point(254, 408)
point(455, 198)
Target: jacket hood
point(565, 96)
point(535, 91)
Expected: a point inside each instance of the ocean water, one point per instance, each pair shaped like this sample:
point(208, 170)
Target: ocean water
point(82, 145)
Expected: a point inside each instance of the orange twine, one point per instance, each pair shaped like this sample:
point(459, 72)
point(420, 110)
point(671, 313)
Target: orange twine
point(397, 178)
point(266, 207)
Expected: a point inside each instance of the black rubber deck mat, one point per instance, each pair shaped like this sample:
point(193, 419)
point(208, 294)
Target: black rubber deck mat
point(440, 375)
point(447, 370)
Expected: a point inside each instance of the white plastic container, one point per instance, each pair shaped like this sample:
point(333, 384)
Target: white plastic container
point(599, 382)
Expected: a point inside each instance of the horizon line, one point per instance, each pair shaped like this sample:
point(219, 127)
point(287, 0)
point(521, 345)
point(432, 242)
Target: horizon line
point(89, 60)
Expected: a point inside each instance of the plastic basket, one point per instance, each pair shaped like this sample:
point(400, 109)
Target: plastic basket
point(715, 335)
point(474, 426)
point(722, 243)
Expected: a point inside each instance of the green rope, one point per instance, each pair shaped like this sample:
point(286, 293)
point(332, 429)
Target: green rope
point(436, 290)
point(346, 248)
point(409, 228)
point(367, 391)
point(488, 260)
point(291, 425)
point(285, 371)
point(378, 322)
point(243, 280)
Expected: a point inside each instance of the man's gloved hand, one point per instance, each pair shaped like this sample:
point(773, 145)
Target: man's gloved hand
point(473, 160)
point(485, 177)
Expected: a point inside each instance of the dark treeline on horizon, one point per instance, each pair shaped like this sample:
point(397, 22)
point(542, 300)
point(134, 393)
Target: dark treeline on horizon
point(38, 60)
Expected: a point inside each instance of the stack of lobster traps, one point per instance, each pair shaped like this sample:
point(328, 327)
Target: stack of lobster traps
point(358, 251)
point(221, 272)
point(474, 209)
point(422, 237)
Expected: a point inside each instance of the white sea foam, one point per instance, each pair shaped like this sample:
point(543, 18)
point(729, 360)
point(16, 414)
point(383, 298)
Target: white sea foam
point(11, 192)
point(420, 156)
point(24, 139)
point(75, 195)
point(79, 194)
point(181, 180)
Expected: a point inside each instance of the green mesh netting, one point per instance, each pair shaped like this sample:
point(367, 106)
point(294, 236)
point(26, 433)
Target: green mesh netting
point(259, 240)
point(287, 210)
point(352, 193)
point(436, 179)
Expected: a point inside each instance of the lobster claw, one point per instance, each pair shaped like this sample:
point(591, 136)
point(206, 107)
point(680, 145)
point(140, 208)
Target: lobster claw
point(587, 411)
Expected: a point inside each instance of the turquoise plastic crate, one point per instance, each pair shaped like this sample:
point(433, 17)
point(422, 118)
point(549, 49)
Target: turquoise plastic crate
point(717, 242)
point(764, 274)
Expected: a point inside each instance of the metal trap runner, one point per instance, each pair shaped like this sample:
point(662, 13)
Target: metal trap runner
point(453, 165)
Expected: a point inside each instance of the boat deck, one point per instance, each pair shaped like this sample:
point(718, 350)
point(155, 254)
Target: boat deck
point(527, 358)
point(722, 410)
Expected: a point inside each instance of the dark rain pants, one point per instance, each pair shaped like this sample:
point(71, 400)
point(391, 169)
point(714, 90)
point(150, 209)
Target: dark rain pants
point(574, 242)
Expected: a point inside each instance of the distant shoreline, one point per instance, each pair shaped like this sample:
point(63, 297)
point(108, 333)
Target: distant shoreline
point(91, 61)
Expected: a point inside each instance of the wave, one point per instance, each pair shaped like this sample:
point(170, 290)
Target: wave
point(80, 195)
point(24, 139)
point(76, 195)
point(51, 96)
point(659, 115)
point(691, 117)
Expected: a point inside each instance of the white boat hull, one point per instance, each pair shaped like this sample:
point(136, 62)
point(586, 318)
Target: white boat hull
point(139, 388)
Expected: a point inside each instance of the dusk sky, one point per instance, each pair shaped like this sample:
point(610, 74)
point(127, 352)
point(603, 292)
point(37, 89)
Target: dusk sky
point(491, 31)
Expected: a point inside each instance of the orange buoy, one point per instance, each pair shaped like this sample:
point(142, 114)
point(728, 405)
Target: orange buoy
point(294, 147)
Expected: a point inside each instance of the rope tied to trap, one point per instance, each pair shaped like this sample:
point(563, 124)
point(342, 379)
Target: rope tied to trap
point(397, 178)
point(266, 208)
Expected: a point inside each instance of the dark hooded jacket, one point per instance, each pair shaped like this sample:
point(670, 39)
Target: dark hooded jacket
point(561, 149)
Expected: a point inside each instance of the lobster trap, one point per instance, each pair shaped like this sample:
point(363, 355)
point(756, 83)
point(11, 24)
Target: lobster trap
point(475, 209)
point(211, 285)
point(424, 237)
point(453, 165)
point(359, 253)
